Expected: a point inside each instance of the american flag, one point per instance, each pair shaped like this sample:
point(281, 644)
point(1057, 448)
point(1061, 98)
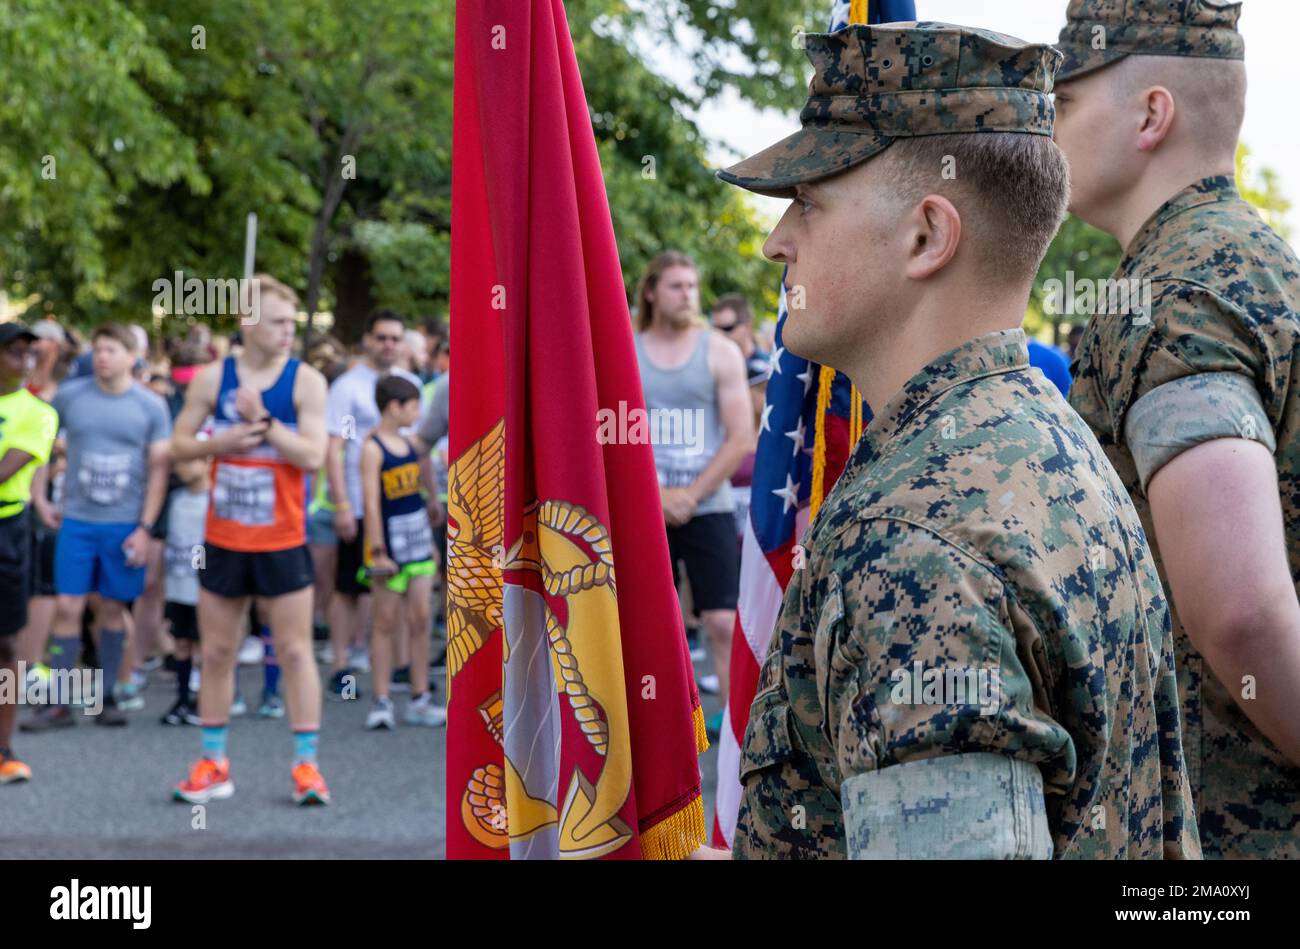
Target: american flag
point(810, 420)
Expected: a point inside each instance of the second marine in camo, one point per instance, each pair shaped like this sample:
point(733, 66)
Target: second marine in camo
point(1192, 391)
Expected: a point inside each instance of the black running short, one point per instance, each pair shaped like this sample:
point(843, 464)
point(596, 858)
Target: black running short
point(44, 541)
point(15, 571)
point(706, 544)
point(184, 620)
point(238, 573)
point(349, 561)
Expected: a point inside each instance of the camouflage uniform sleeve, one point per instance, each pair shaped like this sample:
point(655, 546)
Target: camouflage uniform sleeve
point(787, 811)
point(1203, 374)
point(923, 664)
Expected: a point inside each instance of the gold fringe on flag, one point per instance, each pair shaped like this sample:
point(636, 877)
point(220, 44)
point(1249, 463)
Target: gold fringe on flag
point(701, 733)
point(817, 491)
point(677, 836)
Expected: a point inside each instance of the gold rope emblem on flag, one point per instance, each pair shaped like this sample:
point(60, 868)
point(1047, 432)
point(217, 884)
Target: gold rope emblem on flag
point(571, 550)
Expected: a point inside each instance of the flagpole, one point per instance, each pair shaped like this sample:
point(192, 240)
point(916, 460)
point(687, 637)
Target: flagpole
point(250, 244)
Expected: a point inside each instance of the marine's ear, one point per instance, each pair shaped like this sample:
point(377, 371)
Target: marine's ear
point(935, 231)
point(1158, 120)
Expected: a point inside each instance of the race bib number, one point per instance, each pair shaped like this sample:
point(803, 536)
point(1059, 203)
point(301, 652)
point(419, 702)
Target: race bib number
point(104, 479)
point(178, 556)
point(676, 467)
point(244, 495)
point(410, 537)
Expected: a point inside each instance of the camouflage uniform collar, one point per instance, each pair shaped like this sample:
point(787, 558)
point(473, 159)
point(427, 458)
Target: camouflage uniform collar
point(991, 354)
point(1212, 190)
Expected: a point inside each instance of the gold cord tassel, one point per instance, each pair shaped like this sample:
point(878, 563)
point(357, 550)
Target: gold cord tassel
point(817, 492)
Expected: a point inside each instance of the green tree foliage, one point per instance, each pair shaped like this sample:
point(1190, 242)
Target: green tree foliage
point(662, 190)
point(1262, 188)
point(81, 136)
point(135, 136)
point(1094, 255)
point(1078, 248)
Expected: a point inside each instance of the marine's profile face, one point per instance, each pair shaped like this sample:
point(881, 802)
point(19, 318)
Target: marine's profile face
point(841, 242)
point(1099, 138)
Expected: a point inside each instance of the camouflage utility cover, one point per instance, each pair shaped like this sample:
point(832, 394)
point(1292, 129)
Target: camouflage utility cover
point(1100, 32)
point(874, 84)
point(1225, 302)
point(977, 528)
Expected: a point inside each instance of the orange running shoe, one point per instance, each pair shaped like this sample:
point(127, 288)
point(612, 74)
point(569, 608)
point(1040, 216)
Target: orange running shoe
point(208, 781)
point(308, 786)
point(13, 770)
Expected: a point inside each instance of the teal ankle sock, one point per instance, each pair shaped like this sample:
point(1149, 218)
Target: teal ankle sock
point(304, 745)
point(214, 741)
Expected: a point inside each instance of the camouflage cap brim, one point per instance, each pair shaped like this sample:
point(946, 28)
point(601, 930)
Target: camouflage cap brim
point(1208, 37)
point(1082, 60)
point(809, 155)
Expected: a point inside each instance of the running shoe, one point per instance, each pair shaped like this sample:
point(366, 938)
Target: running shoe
point(402, 679)
point(272, 706)
point(308, 786)
point(238, 707)
point(195, 679)
point(359, 658)
point(47, 718)
point(140, 679)
point(208, 781)
point(12, 770)
point(251, 652)
point(325, 654)
point(182, 713)
point(708, 684)
point(110, 716)
point(38, 671)
point(422, 711)
point(380, 715)
point(150, 664)
point(127, 697)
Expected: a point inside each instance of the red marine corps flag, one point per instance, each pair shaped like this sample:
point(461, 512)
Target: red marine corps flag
point(574, 726)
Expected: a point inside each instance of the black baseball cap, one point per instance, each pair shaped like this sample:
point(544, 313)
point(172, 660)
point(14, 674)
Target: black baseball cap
point(12, 331)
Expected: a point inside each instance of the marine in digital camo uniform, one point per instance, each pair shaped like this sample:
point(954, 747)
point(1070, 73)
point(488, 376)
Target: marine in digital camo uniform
point(976, 530)
point(1213, 359)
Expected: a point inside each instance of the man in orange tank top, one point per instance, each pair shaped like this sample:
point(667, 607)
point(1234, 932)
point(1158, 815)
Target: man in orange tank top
point(268, 418)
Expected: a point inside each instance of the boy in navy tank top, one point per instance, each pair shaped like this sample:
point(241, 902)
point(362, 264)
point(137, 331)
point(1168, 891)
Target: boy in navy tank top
point(398, 559)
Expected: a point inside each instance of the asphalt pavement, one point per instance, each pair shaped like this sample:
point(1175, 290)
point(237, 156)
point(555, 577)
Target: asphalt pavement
point(106, 792)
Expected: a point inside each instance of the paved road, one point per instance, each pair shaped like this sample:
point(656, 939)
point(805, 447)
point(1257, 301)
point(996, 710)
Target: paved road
point(105, 792)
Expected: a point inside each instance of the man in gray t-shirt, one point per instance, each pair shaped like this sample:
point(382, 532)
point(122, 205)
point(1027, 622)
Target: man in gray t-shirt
point(116, 432)
point(108, 435)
